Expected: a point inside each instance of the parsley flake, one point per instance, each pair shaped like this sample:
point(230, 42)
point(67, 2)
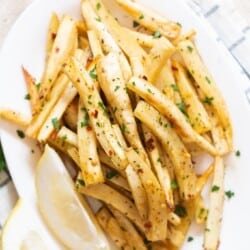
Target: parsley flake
point(98, 6)
point(20, 133)
point(2, 159)
point(215, 188)
point(141, 16)
point(180, 211)
point(237, 153)
point(157, 34)
point(208, 100)
point(27, 97)
point(190, 49)
point(229, 194)
point(174, 87)
point(92, 73)
point(174, 185)
point(135, 24)
point(110, 174)
point(190, 238)
point(55, 123)
point(208, 80)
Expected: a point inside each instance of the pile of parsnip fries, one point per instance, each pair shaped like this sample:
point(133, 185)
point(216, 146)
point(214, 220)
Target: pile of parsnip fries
point(131, 107)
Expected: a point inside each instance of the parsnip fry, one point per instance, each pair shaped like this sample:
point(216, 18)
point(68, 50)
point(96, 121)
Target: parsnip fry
point(150, 19)
point(197, 114)
point(173, 145)
point(133, 238)
point(138, 191)
point(56, 113)
point(156, 225)
point(94, 22)
point(39, 118)
point(63, 47)
point(166, 83)
point(70, 115)
point(87, 147)
point(113, 85)
point(32, 89)
point(137, 56)
point(52, 32)
point(158, 56)
point(154, 97)
point(68, 135)
point(95, 44)
point(207, 85)
point(110, 225)
point(152, 147)
point(112, 197)
point(212, 231)
point(14, 116)
point(97, 112)
point(114, 177)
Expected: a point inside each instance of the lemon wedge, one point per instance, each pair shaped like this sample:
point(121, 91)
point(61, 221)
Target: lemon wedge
point(24, 231)
point(63, 209)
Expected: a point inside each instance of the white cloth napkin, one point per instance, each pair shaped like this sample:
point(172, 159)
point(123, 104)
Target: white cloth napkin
point(231, 29)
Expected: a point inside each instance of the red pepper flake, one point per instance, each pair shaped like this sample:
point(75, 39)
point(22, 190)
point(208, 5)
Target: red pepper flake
point(145, 78)
point(150, 144)
point(140, 171)
point(78, 80)
point(95, 114)
point(174, 68)
point(53, 35)
point(88, 128)
point(110, 152)
point(148, 224)
point(57, 50)
point(89, 62)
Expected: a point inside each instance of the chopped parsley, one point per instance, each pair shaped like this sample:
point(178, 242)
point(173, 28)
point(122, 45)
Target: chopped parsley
point(190, 238)
point(92, 73)
point(141, 16)
point(150, 91)
point(182, 107)
point(112, 173)
point(174, 185)
point(98, 19)
point(80, 182)
point(135, 24)
point(190, 49)
point(229, 194)
point(123, 128)
point(85, 122)
point(27, 97)
point(2, 159)
point(165, 125)
point(174, 87)
point(179, 24)
point(180, 211)
point(215, 188)
point(237, 153)
point(55, 123)
point(98, 6)
point(208, 80)
point(64, 139)
point(38, 86)
point(20, 133)
point(101, 105)
point(116, 88)
point(208, 100)
point(157, 34)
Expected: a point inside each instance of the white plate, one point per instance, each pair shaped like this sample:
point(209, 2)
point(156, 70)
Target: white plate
point(25, 45)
